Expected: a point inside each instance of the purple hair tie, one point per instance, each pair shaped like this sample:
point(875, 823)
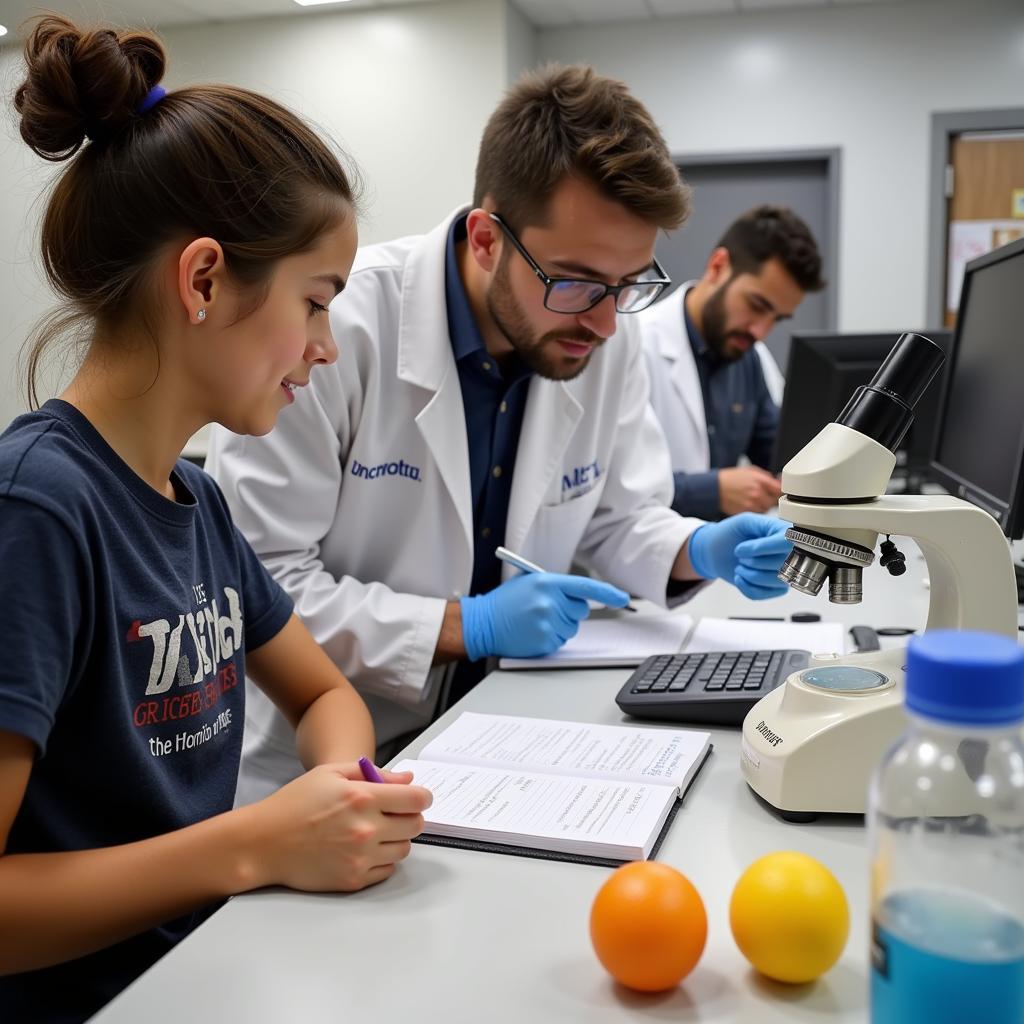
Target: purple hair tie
point(153, 97)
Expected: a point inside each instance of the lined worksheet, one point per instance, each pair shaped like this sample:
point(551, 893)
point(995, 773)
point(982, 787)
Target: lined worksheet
point(548, 812)
point(623, 753)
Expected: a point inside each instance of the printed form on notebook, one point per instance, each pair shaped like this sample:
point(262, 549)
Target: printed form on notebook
point(541, 787)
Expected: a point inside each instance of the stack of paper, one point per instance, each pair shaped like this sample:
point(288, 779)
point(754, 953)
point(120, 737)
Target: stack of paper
point(613, 640)
point(764, 635)
point(610, 640)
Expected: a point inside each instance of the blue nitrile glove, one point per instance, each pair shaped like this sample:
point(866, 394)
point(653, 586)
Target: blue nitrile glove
point(746, 550)
point(531, 615)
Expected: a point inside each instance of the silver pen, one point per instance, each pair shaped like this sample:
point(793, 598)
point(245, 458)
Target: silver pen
point(526, 566)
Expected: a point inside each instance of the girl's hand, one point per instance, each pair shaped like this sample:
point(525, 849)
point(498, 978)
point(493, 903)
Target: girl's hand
point(330, 831)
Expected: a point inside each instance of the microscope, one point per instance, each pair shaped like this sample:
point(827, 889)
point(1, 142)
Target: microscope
point(810, 745)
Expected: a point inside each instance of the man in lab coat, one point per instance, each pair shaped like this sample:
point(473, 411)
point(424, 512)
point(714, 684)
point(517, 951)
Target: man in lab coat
point(715, 387)
point(490, 390)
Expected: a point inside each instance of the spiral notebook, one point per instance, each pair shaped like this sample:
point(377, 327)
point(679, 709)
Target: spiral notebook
point(537, 787)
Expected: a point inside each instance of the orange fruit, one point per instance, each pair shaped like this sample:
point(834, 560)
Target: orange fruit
point(648, 926)
point(789, 916)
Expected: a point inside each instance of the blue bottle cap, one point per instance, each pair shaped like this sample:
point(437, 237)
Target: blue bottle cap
point(965, 676)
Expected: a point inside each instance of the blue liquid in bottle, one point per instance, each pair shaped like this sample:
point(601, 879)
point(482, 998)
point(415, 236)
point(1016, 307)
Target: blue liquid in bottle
point(946, 957)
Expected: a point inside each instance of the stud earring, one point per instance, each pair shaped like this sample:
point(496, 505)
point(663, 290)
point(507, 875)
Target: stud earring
point(201, 315)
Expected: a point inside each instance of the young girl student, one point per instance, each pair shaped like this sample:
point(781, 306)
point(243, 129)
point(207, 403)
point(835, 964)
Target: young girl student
point(197, 237)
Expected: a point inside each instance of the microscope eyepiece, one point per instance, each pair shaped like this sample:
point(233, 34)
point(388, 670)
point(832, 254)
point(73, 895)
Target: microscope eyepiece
point(884, 409)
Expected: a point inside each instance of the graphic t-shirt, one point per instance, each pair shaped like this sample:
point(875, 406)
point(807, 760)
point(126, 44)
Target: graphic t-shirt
point(125, 621)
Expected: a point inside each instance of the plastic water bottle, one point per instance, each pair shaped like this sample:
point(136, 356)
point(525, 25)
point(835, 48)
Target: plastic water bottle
point(946, 830)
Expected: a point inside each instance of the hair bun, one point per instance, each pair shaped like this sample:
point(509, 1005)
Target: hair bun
point(82, 83)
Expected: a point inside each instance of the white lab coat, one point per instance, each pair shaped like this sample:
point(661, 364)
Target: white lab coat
point(359, 500)
point(675, 385)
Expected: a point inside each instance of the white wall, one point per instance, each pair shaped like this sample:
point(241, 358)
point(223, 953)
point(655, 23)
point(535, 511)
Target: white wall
point(864, 78)
point(521, 43)
point(405, 90)
point(23, 296)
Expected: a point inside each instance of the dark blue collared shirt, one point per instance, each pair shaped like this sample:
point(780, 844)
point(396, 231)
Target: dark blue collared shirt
point(494, 403)
point(742, 419)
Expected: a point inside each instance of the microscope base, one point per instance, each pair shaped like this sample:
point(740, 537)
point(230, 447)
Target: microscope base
point(809, 748)
point(789, 817)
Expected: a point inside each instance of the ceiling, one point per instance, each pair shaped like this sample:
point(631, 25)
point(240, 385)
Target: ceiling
point(542, 13)
point(155, 13)
point(549, 13)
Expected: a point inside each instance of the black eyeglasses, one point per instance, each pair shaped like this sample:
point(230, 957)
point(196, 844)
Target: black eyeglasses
point(577, 295)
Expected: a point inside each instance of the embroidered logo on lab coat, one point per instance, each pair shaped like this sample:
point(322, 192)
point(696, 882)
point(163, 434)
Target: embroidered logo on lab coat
point(580, 480)
point(400, 468)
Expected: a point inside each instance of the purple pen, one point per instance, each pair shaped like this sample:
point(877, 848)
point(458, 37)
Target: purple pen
point(369, 770)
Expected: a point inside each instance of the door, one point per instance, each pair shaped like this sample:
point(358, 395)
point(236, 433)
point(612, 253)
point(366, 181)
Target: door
point(985, 188)
point(973, 199)
point(726, 187)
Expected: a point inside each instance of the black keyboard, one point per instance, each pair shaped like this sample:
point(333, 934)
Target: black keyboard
point(717, 687)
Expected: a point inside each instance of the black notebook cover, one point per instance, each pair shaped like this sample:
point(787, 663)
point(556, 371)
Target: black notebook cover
point(575, 858)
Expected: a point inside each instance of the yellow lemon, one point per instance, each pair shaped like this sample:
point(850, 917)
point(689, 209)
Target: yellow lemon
point(789, 916)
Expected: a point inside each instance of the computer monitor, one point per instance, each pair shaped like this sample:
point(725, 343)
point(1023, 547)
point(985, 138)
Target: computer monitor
point(980, 451)
point(822, 374)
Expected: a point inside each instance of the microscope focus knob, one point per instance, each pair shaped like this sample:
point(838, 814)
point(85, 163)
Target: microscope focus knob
point(892, 559)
